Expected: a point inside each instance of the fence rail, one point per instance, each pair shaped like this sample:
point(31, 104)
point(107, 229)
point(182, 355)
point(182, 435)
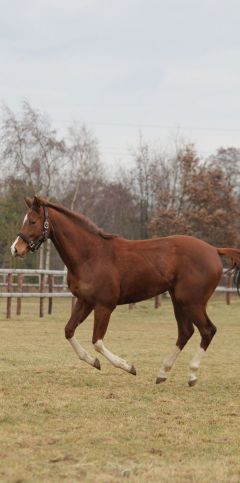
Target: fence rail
point(46, 279)
point(31, 271)
point(43, 287)
point(35, 294)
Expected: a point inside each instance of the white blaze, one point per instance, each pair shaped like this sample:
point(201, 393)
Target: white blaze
point(13, 246)
point(17, 239)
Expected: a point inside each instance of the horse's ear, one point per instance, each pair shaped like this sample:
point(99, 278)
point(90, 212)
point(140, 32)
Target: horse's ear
point(39, 201)
point(28, 201)
point(36, 203)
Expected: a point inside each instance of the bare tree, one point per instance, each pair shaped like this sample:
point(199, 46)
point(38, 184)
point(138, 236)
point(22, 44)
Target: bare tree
point(30, 151)
point(84, 171)
point(117, 210)
point(145, 182)
point(29, 147)
point(228, 159)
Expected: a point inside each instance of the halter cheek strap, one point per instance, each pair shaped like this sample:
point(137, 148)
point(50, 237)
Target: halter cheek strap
point(35, 244)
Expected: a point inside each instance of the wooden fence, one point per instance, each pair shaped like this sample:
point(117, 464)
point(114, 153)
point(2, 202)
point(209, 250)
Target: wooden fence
point(43, 285)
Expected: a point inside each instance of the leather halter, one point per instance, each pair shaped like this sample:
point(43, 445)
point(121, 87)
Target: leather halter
point(35, 244)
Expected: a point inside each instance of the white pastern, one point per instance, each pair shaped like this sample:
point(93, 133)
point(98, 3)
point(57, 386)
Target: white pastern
point(195, 363)
point(81, 353)
point(168, 363)
point(115, 360)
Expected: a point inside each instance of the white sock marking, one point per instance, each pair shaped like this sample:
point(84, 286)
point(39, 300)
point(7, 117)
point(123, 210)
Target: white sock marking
point(80, 351)
point(195, 363)
point(168, 363)
point(115, 360)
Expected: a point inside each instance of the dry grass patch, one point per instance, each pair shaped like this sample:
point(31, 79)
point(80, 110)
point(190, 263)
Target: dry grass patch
point(62, 420)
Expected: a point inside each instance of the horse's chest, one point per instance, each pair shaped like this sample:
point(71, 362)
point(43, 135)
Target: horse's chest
point(85, 288)
point(81, 288)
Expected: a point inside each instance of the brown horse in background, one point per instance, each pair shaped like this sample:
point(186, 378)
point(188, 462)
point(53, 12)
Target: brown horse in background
point(105, 270)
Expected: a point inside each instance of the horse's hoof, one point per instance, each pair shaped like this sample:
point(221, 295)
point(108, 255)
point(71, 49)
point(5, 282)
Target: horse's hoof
point(97, 364)
point(133, 371)
point(192, 382)
point(160, 379)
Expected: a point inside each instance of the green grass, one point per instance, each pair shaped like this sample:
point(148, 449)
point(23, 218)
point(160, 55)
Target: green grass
point(62, 420)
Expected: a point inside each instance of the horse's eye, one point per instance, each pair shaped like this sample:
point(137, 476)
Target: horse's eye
point(32, 222)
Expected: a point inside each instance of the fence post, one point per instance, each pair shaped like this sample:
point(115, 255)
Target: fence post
point(19, 299)
point(41, 289)
point(229, 285)
point(50, 289)
point(131, 306)
point(73, 303)
point(9, 299)
point(158, 301)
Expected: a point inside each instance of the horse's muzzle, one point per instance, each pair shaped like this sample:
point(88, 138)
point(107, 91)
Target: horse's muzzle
point(19, 248)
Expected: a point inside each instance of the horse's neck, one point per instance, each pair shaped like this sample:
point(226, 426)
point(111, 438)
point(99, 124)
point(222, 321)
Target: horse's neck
point(73, 242)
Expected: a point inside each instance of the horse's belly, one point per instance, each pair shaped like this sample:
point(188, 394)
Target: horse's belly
point(144, 293)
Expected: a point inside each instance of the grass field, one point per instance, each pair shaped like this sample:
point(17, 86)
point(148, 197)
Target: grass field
point(62, 420)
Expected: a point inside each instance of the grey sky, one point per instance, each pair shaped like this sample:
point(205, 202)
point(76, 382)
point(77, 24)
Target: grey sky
point(124, 65)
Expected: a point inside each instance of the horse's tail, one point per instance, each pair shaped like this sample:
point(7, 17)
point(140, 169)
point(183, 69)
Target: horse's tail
point(234, 254)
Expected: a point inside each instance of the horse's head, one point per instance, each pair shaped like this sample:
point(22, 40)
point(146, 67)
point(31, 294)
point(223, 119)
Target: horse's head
point(35, 228)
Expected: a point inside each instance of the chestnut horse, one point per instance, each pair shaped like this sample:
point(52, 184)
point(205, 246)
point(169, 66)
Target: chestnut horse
point(106, 270)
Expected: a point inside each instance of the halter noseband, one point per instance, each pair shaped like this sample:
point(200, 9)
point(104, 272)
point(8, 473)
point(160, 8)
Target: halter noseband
point(35, 244)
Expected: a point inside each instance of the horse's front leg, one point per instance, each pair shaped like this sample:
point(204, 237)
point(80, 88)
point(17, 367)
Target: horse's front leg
point(101, 319)
point(80, 312)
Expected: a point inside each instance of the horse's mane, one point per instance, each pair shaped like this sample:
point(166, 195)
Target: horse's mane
point(82, 220)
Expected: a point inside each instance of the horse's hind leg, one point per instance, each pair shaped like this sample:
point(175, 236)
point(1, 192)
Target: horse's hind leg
point(185, 331)
point(101, 319)
point(207, 330)
point(80, 312)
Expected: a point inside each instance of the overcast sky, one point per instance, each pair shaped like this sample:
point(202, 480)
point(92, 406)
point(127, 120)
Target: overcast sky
point(164, 66)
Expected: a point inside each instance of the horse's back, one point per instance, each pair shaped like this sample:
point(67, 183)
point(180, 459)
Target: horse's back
point(184, 265)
